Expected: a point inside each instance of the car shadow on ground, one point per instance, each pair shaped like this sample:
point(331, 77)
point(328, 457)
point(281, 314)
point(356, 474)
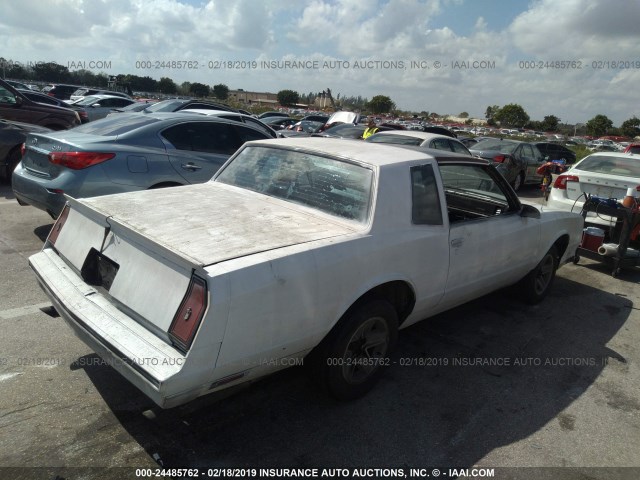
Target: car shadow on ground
point(461, 384)
point(42, 232)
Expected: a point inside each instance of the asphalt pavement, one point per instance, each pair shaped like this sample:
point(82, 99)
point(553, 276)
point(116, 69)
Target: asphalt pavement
point(549, 391)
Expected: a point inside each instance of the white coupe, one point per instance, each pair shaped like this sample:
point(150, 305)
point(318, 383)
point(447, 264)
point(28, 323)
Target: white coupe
point(301, 248)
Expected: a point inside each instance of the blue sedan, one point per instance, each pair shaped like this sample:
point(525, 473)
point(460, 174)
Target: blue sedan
point(125, 153)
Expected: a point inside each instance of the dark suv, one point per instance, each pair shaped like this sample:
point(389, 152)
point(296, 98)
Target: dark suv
point(60, 90)
point(15, 106)
point(556, 151)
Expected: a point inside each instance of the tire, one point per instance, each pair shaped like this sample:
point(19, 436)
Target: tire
point(349, 367)
point(12, 161)
point(518, 182)
point(536, 285)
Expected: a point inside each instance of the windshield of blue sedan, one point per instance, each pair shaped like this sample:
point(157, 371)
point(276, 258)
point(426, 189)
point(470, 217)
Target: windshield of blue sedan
point(334, 186)
point(609, 165)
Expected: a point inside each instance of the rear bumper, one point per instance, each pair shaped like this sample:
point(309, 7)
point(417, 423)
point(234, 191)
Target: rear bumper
point(30, 191)
point(147, 361)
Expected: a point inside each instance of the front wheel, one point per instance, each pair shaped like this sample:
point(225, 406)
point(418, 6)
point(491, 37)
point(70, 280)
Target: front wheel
point(536, 285)
point(357, 351)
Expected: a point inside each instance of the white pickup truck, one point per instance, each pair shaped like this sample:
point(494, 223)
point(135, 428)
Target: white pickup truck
point(301, 248)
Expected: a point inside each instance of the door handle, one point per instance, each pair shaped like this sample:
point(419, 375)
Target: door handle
point(457, 242)
point(191, 166)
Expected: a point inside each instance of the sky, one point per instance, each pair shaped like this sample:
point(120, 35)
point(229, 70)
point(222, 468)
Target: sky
point(570, 58)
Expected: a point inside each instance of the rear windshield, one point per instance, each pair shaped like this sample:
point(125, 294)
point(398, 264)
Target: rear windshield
point(331, 185)
point(621, 166)
point(116, 125)
point(165, 106)
point(496, 145)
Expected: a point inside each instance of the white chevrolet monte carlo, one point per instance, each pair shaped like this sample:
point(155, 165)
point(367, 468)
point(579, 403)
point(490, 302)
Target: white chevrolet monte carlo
point(307, 248)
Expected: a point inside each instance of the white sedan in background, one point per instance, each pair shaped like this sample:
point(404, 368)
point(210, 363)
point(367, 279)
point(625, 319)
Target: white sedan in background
point(299, 248)
point(604, 174)
point(420, 139)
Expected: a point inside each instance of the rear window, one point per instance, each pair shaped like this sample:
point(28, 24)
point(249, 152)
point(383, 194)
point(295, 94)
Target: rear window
point(496, 145)
point(621, 166)
point(334, 186)
point(116, 125)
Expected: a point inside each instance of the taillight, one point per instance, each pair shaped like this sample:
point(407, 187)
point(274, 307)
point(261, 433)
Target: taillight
point(23, 148)
point(79, 160)
point(500, 158)
point(83, 114)
point(55, 231)
point(561, 181)
point(189, 315)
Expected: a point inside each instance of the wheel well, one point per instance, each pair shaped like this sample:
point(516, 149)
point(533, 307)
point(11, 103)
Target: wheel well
point(398, 293)
point(561, 244)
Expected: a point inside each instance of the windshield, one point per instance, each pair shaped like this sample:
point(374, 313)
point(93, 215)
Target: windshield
point(621, 166)
point(116, 125)
point(87, 100)
point(331, 185)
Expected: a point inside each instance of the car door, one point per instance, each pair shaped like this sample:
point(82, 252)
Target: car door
point(198, 149)
point(11, 108)
point(490, 244)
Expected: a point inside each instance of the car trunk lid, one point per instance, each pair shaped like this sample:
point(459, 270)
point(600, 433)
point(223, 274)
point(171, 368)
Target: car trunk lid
point(38, 147)
point(218, 223)
point(599, 186)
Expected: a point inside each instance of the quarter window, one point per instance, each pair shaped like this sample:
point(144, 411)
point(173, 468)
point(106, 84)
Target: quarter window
point(425, 206)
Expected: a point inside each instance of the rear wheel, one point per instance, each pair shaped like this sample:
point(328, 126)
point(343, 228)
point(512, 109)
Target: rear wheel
point(12, 161)
point(357, 351)
point(536, 285)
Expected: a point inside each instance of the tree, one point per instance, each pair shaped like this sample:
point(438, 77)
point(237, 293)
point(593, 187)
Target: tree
point(381, 104)
point(490, 112)
point(166, 85)
point(221, 91)
point(631, 127)
point(463, 115)
point(511, 115)
point(599, 125)
point(199, 89)
point(288, 98)
point(51, 72)
point(550, 123)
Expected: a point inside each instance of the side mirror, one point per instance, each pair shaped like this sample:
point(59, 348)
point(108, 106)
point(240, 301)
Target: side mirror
point(529, 211)
point(19, 101)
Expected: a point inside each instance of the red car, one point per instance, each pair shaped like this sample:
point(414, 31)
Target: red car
point(632, 148)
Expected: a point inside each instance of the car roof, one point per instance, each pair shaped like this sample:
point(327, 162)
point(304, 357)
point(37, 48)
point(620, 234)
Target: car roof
point(364, 152)
point(102, 96)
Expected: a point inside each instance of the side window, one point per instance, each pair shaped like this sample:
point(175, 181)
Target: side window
point(527, 152)
point(425, 206)
point(259, 125)
point(472, 193)
point(440, 144)
point(459, 148)
point(6, 96)
point(207, 137)
point(248, 134)
point(120, 102)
